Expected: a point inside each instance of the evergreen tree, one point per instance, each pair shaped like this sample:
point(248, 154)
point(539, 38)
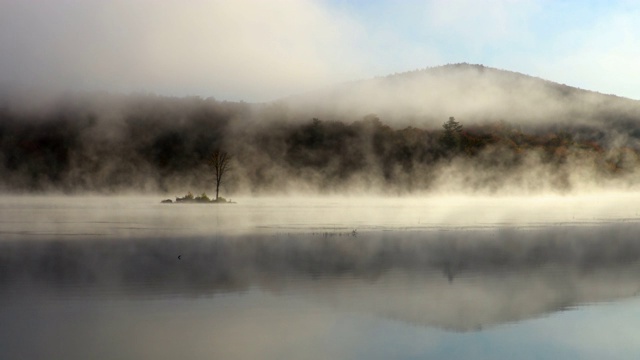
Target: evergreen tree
point(451, 136)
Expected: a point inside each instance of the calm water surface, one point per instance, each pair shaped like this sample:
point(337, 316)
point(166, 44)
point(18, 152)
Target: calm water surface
point(432, 278)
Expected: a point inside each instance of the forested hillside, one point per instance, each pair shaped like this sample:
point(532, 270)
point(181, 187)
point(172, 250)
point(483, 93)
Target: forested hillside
point(146, 143)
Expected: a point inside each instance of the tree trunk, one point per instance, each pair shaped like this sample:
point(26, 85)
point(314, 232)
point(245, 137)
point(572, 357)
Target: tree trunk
point(220, 162)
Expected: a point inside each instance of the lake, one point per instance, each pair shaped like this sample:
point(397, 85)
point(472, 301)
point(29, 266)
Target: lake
point(445, 277)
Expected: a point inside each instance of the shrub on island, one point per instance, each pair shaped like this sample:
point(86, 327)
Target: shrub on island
point(203, 198)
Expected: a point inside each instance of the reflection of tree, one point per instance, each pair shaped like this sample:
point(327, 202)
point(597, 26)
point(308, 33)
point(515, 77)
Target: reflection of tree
point(220, 160)
point(518, 274)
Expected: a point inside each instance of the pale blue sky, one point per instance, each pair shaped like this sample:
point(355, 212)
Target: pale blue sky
point(591, 44)
point(257, 50)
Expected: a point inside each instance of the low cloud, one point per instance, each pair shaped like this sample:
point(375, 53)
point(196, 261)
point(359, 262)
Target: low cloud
point(259, 51)
point(234, 50)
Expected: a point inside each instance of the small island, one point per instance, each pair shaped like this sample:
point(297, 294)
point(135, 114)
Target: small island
point(201, 199)
point(219, 160)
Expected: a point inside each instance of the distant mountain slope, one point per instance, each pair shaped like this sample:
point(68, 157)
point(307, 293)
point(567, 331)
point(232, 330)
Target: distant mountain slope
point(520, 134)
point(471, 93)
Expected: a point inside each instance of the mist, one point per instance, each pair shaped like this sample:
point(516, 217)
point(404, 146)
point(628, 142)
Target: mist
point(474, 93)
point(520, 135)
point(383, 198)
point(210, 48)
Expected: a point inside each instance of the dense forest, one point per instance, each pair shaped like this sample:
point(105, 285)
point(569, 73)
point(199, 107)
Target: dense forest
point(146, 143)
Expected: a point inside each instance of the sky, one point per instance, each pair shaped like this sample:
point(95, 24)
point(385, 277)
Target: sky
point(259, 50)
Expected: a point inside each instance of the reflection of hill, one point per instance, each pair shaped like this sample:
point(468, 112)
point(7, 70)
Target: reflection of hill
point(457, 280)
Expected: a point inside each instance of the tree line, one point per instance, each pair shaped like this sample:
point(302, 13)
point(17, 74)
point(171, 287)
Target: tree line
point(165, 144)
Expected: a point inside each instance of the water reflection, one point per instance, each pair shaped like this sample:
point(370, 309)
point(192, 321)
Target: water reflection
point(424, 278)
point(454, 280)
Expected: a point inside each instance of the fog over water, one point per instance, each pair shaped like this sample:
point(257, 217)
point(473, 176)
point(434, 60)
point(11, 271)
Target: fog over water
point(353, 235)
point(94, 217)
point(90, 272)
point(456, 211)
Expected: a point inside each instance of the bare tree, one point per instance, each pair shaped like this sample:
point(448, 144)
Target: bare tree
point(220, 161)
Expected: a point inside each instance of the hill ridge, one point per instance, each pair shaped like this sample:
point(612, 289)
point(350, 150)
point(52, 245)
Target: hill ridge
point(474, 92)
point(482, 67)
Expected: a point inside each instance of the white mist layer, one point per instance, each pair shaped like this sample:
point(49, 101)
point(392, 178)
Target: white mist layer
point(132, 217)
